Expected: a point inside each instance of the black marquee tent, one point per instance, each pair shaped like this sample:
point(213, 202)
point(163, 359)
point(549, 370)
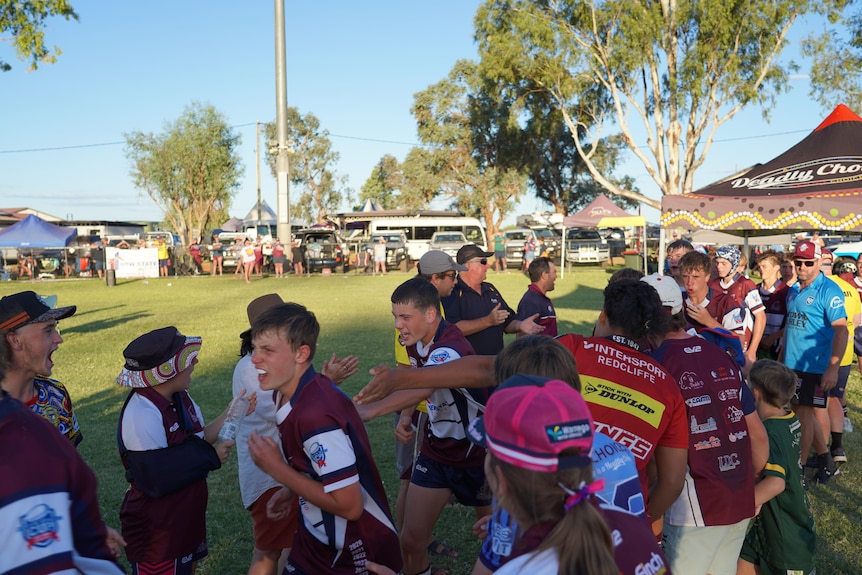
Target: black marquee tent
point(815, 185)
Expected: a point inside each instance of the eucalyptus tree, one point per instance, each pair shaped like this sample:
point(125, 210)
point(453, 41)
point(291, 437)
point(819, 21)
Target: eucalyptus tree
point(666, 74)
point(312, 167)
point(24, 22)
point(191, 170)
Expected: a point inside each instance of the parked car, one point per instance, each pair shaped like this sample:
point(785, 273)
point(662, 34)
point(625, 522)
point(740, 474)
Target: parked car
point(848, 251)
point(515, 240)
point(449, 242)
point(232, 242)
point(396, 248)
point(324, 248)
point(585, 246)
point(553, 241)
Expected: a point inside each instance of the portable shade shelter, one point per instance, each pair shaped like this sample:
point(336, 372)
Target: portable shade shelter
point(815, 185)
point(33, 233)
point(602, 213)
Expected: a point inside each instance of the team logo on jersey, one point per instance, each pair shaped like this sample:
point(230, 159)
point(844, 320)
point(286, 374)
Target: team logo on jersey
point(39, 526)
point(655, 566)
point(728, 462)
point(692, 349)
point(732, 414)
point(728, 394)
point(318, 454)
point(174, 427)
point(440, 356)
point(688, 380)
point(713, 441)
point(809, 300)
point(697, 428)
point(569, 430)
point(502, 540)
point(737, 436)
point(836, 302)
point(700, 400)
point(619, 398)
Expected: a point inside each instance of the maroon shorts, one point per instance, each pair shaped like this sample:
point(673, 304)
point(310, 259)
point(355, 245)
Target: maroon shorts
point(270, 535)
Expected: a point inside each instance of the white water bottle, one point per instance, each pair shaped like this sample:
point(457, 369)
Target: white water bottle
point(235, 413)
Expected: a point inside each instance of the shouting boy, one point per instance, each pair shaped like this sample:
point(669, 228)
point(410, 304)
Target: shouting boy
point(345, 514)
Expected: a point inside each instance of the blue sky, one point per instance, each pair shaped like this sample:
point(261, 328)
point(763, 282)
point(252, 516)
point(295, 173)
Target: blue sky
point(132, 66)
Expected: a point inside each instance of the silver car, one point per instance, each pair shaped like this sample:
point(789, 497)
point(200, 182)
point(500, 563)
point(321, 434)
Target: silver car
point(449, 242)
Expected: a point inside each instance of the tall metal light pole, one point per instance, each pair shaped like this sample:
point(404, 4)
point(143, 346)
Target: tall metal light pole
point(257, 163)
point(282, 165)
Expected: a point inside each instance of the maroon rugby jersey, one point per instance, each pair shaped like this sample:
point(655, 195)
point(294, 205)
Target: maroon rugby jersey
point(324, 438)
point(450, 410)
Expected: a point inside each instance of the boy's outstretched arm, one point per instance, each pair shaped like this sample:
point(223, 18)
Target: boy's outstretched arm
point(345, 502)
point(467, 371)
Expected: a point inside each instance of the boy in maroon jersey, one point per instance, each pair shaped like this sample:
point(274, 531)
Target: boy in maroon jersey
point(345, 514)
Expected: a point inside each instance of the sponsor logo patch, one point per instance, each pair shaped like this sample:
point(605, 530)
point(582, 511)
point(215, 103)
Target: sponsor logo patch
point(728, 462)
point(713, 441)
point(567, 431)
point(707, 426)
point(700, 400)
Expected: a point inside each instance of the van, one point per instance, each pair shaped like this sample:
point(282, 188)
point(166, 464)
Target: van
point(419, 230)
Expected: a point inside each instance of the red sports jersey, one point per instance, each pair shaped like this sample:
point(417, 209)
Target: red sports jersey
point(632, 398)
point(746, 295)
point(449, 410)
point(324, 438)
point(719, 483)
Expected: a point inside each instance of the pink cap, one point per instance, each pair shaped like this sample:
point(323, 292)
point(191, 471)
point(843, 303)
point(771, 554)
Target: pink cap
point(529, 421)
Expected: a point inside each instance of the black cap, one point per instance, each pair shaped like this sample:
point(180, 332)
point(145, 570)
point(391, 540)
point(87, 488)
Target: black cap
point(470, 251)
point(29, 307)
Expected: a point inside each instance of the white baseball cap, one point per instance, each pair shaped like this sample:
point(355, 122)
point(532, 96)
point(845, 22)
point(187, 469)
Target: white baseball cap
point(668, 291)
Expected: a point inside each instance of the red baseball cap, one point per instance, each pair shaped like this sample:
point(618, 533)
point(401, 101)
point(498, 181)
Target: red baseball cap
point(529, 421)
point(806, 250)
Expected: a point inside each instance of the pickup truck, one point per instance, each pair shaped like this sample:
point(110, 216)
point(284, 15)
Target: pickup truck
point(515, 240)
point(586, 246)
point(396, 248)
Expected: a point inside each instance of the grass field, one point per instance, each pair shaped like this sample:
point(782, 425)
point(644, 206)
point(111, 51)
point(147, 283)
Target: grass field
point(354, 313)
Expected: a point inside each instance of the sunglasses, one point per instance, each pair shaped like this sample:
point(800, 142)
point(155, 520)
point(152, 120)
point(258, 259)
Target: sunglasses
point(450, 275)
point(806, 263)
point(483, 261)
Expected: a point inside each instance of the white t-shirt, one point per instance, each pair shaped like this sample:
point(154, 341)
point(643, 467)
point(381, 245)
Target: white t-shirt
point(252, 481)
point(143, 429)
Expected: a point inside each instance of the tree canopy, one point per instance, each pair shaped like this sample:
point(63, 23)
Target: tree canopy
point(312, 167)
point(191, 171)
point(468, 149)
point(665, 74)
point(836, 53)
point(24, 23)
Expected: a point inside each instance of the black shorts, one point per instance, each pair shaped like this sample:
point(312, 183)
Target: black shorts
point(808, 390)
point(466, 483)
point(857, 341)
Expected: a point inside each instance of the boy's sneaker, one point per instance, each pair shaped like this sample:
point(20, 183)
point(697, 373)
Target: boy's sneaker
point(827, 469)
point(848, 425)
point(838, 455)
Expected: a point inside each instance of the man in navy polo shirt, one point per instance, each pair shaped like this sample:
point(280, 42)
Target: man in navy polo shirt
point(478, 309)
point(543, 275)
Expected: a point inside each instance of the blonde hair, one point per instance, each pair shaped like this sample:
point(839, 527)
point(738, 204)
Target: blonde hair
point(580, 537)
